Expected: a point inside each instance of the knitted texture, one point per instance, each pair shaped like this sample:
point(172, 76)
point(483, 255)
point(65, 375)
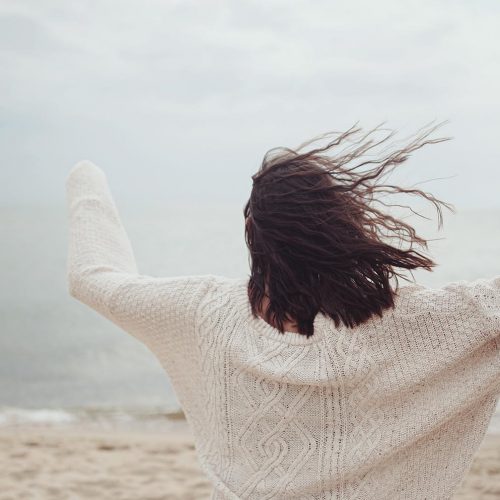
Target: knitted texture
point(392, 409)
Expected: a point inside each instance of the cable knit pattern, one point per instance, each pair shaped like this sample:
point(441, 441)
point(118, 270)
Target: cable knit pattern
point(393, 409)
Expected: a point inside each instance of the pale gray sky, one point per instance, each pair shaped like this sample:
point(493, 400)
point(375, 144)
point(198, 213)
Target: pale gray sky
point(181, 99)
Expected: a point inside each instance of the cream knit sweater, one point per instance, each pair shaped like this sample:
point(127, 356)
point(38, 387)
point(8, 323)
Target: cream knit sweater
point(393, 409)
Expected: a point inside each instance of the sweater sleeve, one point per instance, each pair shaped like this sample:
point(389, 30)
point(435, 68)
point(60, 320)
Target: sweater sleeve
point(102, 271)
point(464, 302)
point(462, 321)
point(476, 302)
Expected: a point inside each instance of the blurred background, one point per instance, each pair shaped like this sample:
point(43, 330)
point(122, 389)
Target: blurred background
point(178, 102)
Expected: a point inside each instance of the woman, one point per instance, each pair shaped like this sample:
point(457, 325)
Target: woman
point(313, 378)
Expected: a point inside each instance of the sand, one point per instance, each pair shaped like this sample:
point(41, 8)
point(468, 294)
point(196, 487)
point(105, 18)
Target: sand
point(75, 462)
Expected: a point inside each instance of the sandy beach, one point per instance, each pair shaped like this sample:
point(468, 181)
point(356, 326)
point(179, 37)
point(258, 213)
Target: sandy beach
point(73, 462)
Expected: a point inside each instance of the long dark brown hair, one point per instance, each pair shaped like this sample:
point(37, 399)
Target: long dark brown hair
point(315, 238)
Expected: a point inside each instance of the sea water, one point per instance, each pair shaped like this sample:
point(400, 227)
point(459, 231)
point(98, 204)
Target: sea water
point(61, 362)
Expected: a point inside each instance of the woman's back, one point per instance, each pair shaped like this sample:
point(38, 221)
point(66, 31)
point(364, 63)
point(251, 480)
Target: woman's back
point(394, 408)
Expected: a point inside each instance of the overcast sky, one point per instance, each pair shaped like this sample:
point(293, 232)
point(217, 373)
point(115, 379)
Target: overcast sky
point(180, 99)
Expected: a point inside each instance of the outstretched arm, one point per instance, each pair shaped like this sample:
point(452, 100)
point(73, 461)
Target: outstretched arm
point(100, 256)
point(102, 271)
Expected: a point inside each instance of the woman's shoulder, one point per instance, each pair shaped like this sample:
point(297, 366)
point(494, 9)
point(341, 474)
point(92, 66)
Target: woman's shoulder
point(214, 282)
point(458, 294)
point(212, 286)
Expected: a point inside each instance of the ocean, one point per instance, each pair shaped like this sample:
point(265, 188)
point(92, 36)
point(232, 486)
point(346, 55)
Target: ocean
point(61, 362)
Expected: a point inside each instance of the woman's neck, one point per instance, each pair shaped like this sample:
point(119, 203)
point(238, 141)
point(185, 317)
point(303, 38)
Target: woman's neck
point(289, 326)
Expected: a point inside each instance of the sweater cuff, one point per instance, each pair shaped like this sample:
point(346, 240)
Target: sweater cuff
point(86, 180)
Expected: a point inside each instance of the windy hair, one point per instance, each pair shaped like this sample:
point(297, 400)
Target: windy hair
point(317, 241)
